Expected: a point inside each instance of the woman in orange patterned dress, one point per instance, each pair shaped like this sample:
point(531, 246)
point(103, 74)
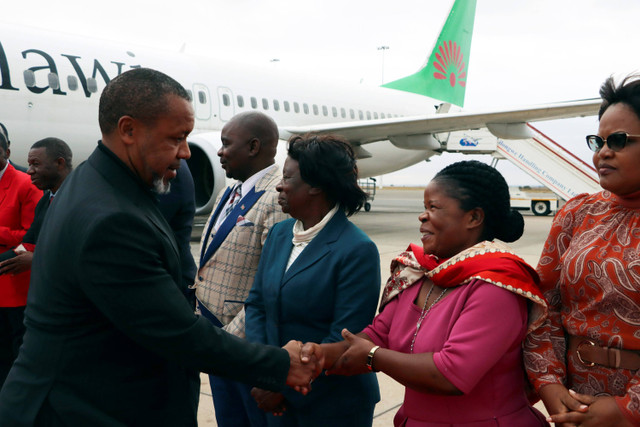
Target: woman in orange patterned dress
point(584, 361)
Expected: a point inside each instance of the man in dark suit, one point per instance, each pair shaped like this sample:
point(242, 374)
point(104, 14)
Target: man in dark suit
point(111, 340)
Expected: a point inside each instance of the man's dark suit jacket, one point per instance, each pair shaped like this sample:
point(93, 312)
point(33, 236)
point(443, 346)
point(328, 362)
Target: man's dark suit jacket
point(178, 208)
point(111, 340)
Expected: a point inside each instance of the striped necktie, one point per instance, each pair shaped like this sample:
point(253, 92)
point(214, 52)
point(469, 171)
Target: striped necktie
point(235, 199)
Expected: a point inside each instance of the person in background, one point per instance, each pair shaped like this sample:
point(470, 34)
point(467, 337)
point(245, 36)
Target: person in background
point(178, 207)
point(585, 360)
point(455, 311)
point(3, 129)
point(18, 200)
point(318, 274)
point(49, 165)
point(231, 245)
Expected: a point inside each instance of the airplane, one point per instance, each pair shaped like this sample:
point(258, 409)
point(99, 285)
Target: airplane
point(50, 85)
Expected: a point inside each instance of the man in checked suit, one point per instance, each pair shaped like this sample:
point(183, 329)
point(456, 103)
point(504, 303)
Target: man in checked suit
point(232, 242)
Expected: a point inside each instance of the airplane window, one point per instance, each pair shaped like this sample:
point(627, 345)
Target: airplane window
point(334, 111)
point(54, 82)
point(343, 113)
point(276, 105)
point(254, 102)
point(382, 116)
point(29, 78)
point(240, 101)
point(306, 108)
point(325, 111)
point(375, 115)
point(72, 82)
point(296, 107)
point(265, 104)
point(315, 109)
point(368, 115)
point(286, 106)
point(202, 97)
point(92, 85)
point(360, 115)
point(225, 100)
point(352, 114)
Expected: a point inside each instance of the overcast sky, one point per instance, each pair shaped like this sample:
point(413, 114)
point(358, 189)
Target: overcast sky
point(523, 52)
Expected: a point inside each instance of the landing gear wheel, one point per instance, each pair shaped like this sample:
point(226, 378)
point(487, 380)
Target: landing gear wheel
point(540, 208)
point(367, 206)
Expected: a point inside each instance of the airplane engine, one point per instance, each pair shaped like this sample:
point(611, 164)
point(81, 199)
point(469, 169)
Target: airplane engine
point(208, 176)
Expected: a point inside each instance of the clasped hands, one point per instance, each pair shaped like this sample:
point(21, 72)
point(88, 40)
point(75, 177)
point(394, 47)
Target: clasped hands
point(307, 362)
point(570, 409)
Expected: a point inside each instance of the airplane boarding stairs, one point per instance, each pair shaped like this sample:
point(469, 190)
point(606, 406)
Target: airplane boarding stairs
point(537, 155)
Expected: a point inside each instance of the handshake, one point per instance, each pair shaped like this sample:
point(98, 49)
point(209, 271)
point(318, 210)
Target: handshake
point(306, 362)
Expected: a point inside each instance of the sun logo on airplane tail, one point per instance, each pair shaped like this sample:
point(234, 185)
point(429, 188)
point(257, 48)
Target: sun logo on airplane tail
point(450, 64)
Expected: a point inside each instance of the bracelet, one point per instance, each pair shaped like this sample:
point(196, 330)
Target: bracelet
point(370, 358)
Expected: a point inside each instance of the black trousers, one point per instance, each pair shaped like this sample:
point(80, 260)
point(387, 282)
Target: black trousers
point(11, 333)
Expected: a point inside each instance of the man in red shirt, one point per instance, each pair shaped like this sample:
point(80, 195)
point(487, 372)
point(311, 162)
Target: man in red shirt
point(18, 199)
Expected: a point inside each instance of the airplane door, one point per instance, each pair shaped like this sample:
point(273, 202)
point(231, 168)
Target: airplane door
point(202, 101)
point(225, 102)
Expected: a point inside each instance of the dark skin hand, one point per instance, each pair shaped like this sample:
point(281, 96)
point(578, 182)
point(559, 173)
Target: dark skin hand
point(269, 401)
point(305, 364)
point(18, 264)
point(592, 411)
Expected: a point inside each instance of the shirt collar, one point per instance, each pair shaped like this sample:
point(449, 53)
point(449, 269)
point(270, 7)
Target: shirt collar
point(253, 179)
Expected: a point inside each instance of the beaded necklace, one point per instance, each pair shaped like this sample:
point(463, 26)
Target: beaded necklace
point(425, 310)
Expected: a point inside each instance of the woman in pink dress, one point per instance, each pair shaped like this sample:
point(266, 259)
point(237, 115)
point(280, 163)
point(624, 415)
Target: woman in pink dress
point(455, 311)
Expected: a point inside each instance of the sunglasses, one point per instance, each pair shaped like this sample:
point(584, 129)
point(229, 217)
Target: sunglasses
point(615, 141)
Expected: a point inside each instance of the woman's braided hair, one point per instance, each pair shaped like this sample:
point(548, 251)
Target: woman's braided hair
point(477, 185)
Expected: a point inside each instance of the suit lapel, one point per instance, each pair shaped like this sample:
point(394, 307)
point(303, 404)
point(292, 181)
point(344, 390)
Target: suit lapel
point(212, 223)
point(227, 225)
point(207, 250)
point(319, 247)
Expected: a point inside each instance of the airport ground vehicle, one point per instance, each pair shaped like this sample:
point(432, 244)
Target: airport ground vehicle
point(368, 186)
point(539, 200)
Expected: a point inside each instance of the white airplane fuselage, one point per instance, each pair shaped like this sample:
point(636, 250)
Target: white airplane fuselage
point(50, 85)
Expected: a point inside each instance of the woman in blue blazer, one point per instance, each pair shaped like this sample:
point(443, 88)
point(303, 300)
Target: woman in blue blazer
point(318, 274)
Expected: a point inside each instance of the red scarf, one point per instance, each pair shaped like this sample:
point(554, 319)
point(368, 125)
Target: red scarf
point(492, 262)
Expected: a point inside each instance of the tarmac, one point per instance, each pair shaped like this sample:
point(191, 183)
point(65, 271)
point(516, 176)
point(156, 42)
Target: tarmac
point(392, 224)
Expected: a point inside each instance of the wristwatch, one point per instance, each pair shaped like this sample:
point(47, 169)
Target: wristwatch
point(370, 358)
